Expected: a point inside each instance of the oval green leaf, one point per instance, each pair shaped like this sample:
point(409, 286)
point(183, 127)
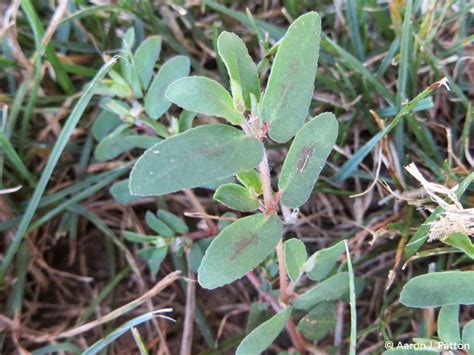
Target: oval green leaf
point(236, 197)
point(117, 143)
point(158, 225)
point(320, 321)
point(104, 124)
point(146, 56)
point(241, 68)
point(185, 120)
point(462, 242)
point(156, 104)
point(156, 259)
point(191, 159)
point(121, 193)
point(295, 256)
point(448, 324)
point(238, 249)
point(257, 314)
point(321, 263)
point(259, 339)
point(173, 221)
point(251, 180)
point(331, 289)
point(439, 289)
point(196, 253)
point(306, 159)
point(287, 98)
point(203, 95)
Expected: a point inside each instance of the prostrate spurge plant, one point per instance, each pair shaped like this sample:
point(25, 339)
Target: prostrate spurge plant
point(211, 152)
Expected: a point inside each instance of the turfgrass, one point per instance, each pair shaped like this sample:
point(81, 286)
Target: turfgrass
point(64, 258)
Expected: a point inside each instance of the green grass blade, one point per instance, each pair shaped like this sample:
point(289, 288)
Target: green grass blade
point(15, 159)
point(424, 104)
point(405, 42)
point(127, 326)
point(139, 341)
point(465, 131)
point(352, 302)
point(353, 63)
point(392, 50)
point(351, 165)
point(354, 28)
point(28, 112)
point(16, 107)
point(424, 137)
point(88, 11)
point(34, 21)
point(76, 198)
point(441, 68)
point(85, 188)
point(38, 31)
point(274, 31)
point(61, 142)
point(69, 348)
point(403, 79)
point(16, 297)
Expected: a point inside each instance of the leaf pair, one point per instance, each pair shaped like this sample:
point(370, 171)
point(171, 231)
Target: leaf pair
point(238, 197)
point(138, 71)
point(207, 96)
point(153, 255)
point(166, 225)
point(287, 98)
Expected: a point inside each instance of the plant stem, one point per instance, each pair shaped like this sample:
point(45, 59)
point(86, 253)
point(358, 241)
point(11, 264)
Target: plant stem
point(270, 204)
point(295, 336)
point(265, 295)
point(266, 184)
point(282, 271)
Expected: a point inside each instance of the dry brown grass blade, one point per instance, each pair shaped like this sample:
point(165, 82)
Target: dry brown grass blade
point(160, 286)
point(54, 23)
point(187, 339)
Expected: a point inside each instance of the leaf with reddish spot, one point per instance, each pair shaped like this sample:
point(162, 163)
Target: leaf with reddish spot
point(306, 159)
point(290, 87)
point(238, 249)
point(194, 158)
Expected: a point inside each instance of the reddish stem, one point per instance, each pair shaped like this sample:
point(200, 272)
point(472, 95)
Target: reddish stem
point(266, 185)
point(282, 271)
point(295, 336)
point(209, 232)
